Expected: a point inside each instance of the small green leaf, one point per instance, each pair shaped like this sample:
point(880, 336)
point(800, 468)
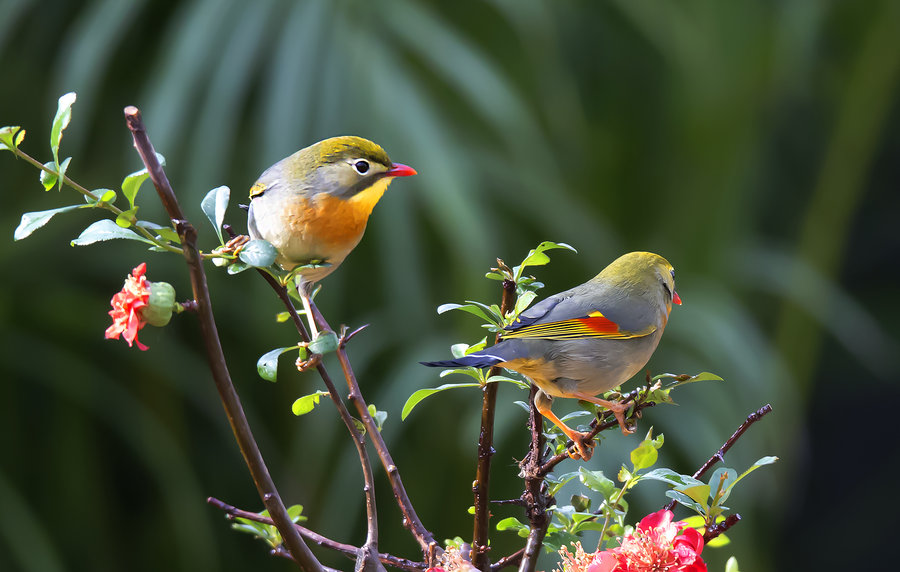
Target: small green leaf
point(214, 205)
point(49, 178)
point(378, 416)
point(471, 371)
point(516, 382)
point(32, 221)
point(237, 267)
point(106, 229)
point(470, 308)
point(325, 342)
point(258, 253)
point(697, 493)
point(512, 523)
point(644, 456)
point(581, 503)
point(166, 233)
point(132, 184)
point(63, 167)
point(721, 540)
point(536, 256)
point(597, 481)
point(60, 122)
point(267, 364)
point(732, 565)
point(685, 500)
point(107, 196)
point(127, 218)
point(671, 477)
point(702, 376)
point(421, 394)
point(556, 483)
point(10, 137)
point(307, 403)
point(295, 513)
point(282, 317)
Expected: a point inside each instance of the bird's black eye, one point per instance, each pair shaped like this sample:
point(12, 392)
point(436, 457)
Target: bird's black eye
point(361, 166)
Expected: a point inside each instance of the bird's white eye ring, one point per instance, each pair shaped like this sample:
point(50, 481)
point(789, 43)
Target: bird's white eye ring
point(361, 166)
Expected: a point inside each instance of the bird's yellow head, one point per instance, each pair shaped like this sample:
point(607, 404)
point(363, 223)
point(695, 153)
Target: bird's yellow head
point(643, 272)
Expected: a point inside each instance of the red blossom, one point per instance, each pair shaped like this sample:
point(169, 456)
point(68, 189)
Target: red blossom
point(126, 306)
point(656, 545)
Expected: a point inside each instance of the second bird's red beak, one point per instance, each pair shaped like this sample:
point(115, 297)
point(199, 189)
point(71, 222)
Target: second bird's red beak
point(400, 170)
point(676, 299)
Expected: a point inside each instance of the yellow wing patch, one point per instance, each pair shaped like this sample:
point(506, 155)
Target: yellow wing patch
point(594, 325)
point(257, 189)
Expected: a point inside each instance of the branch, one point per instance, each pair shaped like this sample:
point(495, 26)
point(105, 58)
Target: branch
point(480, 547)
point(411, 520)
point(535, 497)
point(214, 354)
point(720, 454)
point(715, 530)
point(371, 546)
point(347, 549)
point(510, 560)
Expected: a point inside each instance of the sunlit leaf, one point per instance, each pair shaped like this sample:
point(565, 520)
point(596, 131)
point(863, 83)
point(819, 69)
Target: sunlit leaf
point(307, 403)
point(421, 394)
point(106, 229)
point(60, 122)
point(10, 137)
point(32, 221)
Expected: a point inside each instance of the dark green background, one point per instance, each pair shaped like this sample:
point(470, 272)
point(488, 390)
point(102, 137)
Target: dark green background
point(752, 143)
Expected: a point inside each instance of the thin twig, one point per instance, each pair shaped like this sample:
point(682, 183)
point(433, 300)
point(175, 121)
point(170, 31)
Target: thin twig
point(510, 560)
point(715, 530)
point(316, 538)
point(215, 356)
point(719, 455)
point(358, 438)
point(410, 519)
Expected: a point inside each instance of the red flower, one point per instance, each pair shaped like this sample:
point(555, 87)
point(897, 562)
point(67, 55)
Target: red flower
point(126, 306)
point(656, 545)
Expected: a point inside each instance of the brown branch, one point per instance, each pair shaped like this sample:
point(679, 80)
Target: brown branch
point(719, 455)
point(215, 356)
point(715, 530)
point(411, 520)
point(347, 549)
point(536, 498)
point(479, 555)
point(359, 440)
point(510, 560)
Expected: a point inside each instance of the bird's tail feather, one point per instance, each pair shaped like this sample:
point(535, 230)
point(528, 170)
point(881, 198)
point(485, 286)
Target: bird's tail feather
point(475, 360)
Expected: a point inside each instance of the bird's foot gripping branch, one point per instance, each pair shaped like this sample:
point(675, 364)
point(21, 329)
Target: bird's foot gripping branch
point(604, 316)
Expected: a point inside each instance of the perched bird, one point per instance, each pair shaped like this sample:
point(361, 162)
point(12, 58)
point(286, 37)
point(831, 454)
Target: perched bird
point(314, 205)
point(587, 340)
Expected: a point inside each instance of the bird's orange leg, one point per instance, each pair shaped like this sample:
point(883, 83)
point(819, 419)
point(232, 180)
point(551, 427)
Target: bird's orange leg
point(618, 409)
point(583, 445)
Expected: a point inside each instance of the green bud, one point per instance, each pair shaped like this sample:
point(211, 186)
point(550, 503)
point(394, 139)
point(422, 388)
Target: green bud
point(159, 308)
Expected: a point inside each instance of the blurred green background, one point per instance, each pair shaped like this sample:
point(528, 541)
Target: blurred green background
point(752, 143)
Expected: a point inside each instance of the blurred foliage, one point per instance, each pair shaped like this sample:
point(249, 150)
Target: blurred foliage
point(753, 143)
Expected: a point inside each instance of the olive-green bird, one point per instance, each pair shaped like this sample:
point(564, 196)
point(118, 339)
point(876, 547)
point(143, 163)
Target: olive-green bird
point(587, 340)
point(314, 205)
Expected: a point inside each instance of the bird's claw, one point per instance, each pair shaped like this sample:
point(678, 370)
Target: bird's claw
point(583, 447)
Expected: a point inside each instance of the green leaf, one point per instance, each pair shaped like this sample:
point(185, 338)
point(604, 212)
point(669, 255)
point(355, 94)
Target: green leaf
point(106, 229)
point(669, 476)
point(282, 317)
point(580, 503)
point(685, 500)
point(472, 308)
point(421, 394)
point(10, 137)
point(127, 218)
point(214, 205)
point(516, 382)
point(257, 253)
point(60, 122)
point(760, 463)
point(512, 523)
point(732, 565)
point(536, 256)
point(295, 513)
point(378, 416)
point(166, 233)
point(471, 371)
point(63, 167)
point(237, 267)
point(325, 342)
point(697, 493)
point(702, 376)
point(132, 184)
point(718, 541)
point(307, 403)
point(107, 196)
point(49, 178)
point(267, 364)
point(644, 456)
point(597, 481)
point(32, 221)
point(556, 483)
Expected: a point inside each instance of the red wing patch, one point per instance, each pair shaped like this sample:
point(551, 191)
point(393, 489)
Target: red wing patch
point(594, 325)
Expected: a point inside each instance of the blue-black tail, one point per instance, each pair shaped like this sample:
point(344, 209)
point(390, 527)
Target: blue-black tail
point(475, 360)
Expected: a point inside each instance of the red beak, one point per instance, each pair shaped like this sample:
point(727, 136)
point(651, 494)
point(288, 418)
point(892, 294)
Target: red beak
point(400, 170)
point(676, 299)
